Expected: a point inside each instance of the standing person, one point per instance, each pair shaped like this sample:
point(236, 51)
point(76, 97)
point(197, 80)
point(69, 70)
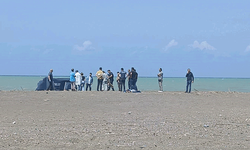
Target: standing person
point(122, 79)
point(111, 80)
point(128, 76)
point(72, 80)
point(78, 81)
point(89, 81)
point(83, 81)
point(160, 79)
point(190, 80)
point(50, 79)
point(105, 81)
point(133, 80)
point(99, 76)
point(118, 81)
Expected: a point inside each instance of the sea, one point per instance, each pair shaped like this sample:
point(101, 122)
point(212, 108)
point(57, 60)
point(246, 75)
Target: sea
point(29, 83)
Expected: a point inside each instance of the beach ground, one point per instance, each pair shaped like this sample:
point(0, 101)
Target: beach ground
point(126, 121)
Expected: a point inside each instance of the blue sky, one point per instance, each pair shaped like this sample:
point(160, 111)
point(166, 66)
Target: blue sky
point(211, 37)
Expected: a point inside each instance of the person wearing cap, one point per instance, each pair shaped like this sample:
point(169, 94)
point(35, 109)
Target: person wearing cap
point(78, 80)
point(190, 80)
point(72, 80)
point(50, 79)
point(99, 75)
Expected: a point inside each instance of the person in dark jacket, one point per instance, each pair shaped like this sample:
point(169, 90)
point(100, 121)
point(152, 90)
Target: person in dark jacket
point(122, 80)
point(50, 79)
point(190, 80)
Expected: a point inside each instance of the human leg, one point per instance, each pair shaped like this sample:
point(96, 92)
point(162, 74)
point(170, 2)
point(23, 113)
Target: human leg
point(123, 85)
point(190, 86)
point(129, 85)
point(160, 85)
point(87, 85)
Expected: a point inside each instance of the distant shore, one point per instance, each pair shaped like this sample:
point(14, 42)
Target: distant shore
point(115, 120)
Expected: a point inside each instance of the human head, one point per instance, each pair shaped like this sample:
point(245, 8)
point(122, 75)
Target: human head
point(109, 71)
point(132, 69)
point(103, 71)
point(76, 70)
point(51, 70)
point(117, 72)
point(128, 70)
point(100, 68)
point(160, 69)
point(81, 73)
point(72, 70)
point(122, 69)
point(188, 70)
point(90, 74)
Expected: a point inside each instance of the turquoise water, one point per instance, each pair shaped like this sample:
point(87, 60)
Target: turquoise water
point(29, 83)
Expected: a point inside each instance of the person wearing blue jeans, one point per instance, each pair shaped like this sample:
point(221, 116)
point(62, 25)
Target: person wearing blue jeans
point(190, 80)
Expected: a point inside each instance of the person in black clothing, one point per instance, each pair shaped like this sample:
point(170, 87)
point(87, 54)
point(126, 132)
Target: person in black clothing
point(50, 79)
point(133, 79)
point(190, 80)
point(111, 80)
point(83, 81)
point(122, 79)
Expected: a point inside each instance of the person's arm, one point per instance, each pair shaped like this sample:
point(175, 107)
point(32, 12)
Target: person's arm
point(49, 78)
point(192, 78)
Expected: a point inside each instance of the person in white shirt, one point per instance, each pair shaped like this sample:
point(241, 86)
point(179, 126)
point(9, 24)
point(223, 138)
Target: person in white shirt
point(105, 81)
point(78, 80)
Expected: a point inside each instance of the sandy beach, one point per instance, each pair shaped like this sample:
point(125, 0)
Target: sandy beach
point(114, 120)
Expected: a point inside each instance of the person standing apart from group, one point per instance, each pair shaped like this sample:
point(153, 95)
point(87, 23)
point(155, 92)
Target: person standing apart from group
point(89, 81)
point(72, 80)
point(122, 79)
point(50, 79)
point(111, 80)
point(78, 82)
point(160, 80)
point(190, 80)
point(99, 76)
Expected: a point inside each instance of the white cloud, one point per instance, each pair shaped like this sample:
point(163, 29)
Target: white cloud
point(170, 44)
point(48, 51)
point(247, 49)
point(86, 46)
point(202, 46)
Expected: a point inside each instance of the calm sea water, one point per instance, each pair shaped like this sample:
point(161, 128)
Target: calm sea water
point(29, 83)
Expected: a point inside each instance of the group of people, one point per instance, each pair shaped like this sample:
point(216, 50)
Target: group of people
point(77, 81)
point(105, 80)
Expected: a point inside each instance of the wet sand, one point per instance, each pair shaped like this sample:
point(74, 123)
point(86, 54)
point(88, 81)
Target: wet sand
point(114, 120)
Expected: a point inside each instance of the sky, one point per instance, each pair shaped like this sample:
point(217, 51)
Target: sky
point(211, 37)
